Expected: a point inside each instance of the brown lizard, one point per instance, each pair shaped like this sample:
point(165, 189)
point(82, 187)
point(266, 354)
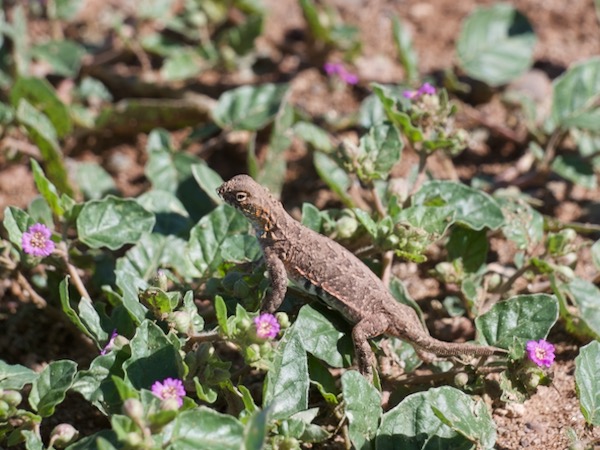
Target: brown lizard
point(325, 268)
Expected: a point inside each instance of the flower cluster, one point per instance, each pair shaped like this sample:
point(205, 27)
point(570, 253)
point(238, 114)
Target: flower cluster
point(426, 89)
point(540, 352)
point(267, 326)
point(36, 240)
point(338, 69)
point(168, 389)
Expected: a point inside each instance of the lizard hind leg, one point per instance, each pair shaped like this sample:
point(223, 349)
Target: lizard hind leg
point(368, 328)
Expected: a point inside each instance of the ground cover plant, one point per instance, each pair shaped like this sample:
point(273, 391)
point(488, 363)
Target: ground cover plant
point(129, 262)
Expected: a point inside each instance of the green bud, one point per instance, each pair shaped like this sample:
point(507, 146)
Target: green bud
point(346, 227)
point(245, 324)
point(283, 319)
point(494, 280)
point(133, 409)
point(13, 398)
point(134, 440)
point(162, 280)
point(4, 410)
point(461, 379)
point(253, 352)
point(169, 404)
point(181, 321)
point(63, 435)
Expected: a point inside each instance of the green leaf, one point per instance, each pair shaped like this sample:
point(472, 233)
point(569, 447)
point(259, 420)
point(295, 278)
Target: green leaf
point(314, 135)
point(208, 236)
point(311, 217)
point(171, 216)
point(575, 95)
point(596, 254)
point(95, 384)
point(523, 225)
point(524, 317)
point(432, 219)
point(575, 169)
point(153, 357)
point(362, 408)
point(15, 376)
point(273, 170)
point(418, 422)
point(496, 44)
point(241, 38)
point(47, 189)
point(406, 52)
point(241, 248)
point(93, 181)
point(334, 176)
point(182, 63)
point(477, 427)
point(321, 337)
point(130, 284)
point(474, 208)
point(64, 57)
point(287, 386)
point(587, 379)
point(16, 222)
point(43, 134)
point(586, 295)
point(380, 149)
point(249, 107)
point(318, 31)
point(33, 441)
point(203, 429)
point(113, 222)
point(256, 430)
point(208, 180)
point(470, 246)
point(63, 289)
point(50, 388)
point(40, 93)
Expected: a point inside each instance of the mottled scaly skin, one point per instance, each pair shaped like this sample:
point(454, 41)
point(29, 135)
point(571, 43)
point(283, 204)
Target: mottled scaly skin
point(339, 278)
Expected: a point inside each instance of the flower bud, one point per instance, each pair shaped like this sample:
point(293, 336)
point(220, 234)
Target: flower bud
point(181, 321)
point(162, 280)
point(63, 435)
point(133, 409)
point(169, 404)
point(283, 319)
point(346, 227)
point(134, 440)
point(4, 410)
point(461, 379)
point(13, 398)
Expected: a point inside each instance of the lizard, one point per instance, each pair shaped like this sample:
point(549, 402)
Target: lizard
point(325, 268)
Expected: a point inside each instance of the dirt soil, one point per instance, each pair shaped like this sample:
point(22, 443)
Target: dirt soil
point(567, 32)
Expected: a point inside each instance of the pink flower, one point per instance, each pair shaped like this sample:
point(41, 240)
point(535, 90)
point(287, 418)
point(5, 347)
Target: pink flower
point(169, 388)
point(109, 344)
point(338, 69)
point(426, 89)
point(267, 326)
point(541, 352)
point(36, 240)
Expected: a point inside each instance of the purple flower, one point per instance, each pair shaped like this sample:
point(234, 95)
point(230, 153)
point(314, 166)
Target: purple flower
point(426, 89)
point(109, 344)
point(169, 388)
point(267, 326)
point(540, 352)
point(338, 69)
point(36, 240)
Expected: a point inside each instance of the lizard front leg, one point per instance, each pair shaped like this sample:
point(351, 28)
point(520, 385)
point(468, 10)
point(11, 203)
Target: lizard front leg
point(278, 277)
point(367, 328)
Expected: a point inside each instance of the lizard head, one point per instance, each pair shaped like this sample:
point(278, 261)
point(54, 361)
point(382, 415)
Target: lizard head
point(251, 199)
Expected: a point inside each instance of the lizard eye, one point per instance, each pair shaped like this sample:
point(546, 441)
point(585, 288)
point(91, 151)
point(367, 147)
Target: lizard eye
point(241, 196)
